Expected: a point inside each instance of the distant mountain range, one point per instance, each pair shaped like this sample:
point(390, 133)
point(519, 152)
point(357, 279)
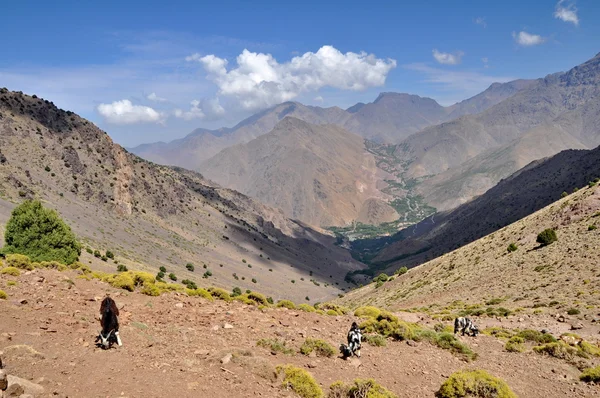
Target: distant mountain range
point(390, 118)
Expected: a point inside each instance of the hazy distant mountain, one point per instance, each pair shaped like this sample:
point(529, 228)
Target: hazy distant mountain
point(390, 118)
point(320, 174)
point(471, 154)
point(201, 144)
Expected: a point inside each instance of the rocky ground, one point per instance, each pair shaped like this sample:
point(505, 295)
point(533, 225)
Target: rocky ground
point(182, 346)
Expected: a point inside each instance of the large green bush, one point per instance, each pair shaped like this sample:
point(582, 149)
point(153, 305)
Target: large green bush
point(300, 381)
point(40, 234)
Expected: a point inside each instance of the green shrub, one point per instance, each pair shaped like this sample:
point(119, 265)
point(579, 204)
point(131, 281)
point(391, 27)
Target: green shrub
point(97, 254)
point(367, 312)
point(376, 340)
point(199, 293)
point(189, 284)
point(515, 344)
point(122, 281)
point(573, 311)
point(275, 346)
point(151, 290)
point(536, 336)
point(547, 237)
point(589, 349)
point(512, 247)
point(219, 293)
point(172, 276)
point(589, 375)
point(286, 304)
point(40, 234)
point(19, 261)
point(122, 268)
point(258, 298)
point(564, 194)
point(236, 292)
point(334, 308)
point(300, 381)
point(592, 227)
point(402, 271)
point(190, 267)
point(163, 270)
point(476, 384)
point(359, 389)
point(558, 350)
point(381, 278)
point(12, 271)
point(321, 347)
point(306, 308)
point(104, 258)
point(3, 295)
point(110, 255)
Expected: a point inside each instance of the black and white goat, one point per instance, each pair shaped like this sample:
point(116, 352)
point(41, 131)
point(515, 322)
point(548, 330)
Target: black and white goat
point(465, 325)
point(110, 324)
point(354, 342)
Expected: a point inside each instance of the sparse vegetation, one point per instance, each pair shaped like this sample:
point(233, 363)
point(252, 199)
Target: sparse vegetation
point(12, 271)
point(376, 340)
point(189, 267)
point(275, 346)
point(40, 234)
point(367, 312)
point(402, 271)
point(476, 384)
point(172, 276)
point(512, 247)
point(592, 227)
point(3, 295)
point(358, 389)
point(515, 344)
point(321, 348)
point(573, 311)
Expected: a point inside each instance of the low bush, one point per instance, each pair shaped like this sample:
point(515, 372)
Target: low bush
point(515, 344)
point(376, 340)
point(591, 375)
point(300, 381)
point(190, 267)
point(219, 293)
point(258, 298)
point(359, 388)
point(547, 237)
point(536, 336)
point(512, 247)
point(236, 292)
point(199, 292)
point(476, 384)
point(275, 346)
point(12, 271)
point(402, 271)
point(573, 311)
point(559, 350)
point(306, 308)
point(321, 347)
point(19, 261)
point(286, 304)
point(151, 290)
point(367, 312)
point(3, 295)
point(333, 309)
point(172, 276)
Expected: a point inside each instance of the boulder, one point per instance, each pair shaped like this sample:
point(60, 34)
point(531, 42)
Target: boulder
point(29, 387)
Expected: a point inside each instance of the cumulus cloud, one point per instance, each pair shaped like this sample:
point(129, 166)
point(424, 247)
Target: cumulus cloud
point(206, 109)
point(259, 80)
point(447, 58)
point(481, 21)
point(155, 98)
point(527, 39)
point(318, 98)
point(566, 11)
point(124, 112)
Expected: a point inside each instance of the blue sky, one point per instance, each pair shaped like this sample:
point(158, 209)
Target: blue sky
point(149, 71)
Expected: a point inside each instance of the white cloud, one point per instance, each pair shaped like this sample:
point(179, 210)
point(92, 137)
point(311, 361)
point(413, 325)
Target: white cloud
point(206, 109)
point(259, 80)
point(485, 61)
point(527, 39)
point(155, 98)
point(481, 21)
point(319, 98)
point(124, 112)
point(567, 12)
point(447, 58)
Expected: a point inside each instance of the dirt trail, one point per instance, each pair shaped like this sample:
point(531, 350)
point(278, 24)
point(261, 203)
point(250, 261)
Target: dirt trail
point(174, 346)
